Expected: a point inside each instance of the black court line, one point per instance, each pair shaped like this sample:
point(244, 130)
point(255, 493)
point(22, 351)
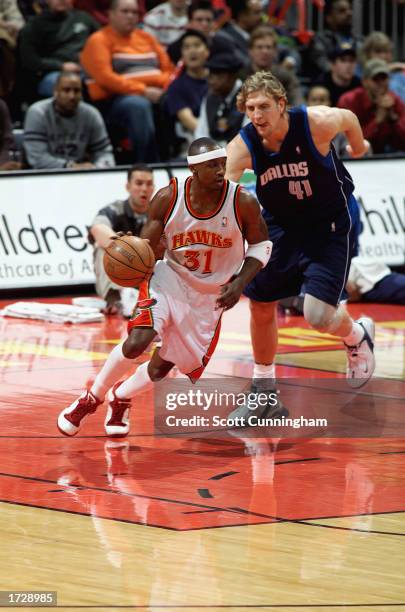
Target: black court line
point(86, 514)
point(224, 475)
point(391, 533)
point(204, 493)
point(236, 510)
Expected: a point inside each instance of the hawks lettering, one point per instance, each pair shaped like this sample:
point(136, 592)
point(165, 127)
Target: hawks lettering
point(197, 236)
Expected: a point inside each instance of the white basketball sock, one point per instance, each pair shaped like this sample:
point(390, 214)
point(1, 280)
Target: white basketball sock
point(116, 366)
point(261, 370)
point(140, 381)
point(355, 336)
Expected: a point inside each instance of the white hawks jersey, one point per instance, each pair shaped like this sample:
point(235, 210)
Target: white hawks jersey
point(204, 250)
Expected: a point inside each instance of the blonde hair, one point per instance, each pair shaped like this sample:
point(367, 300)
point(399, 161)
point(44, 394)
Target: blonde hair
point(263, 31)
point(260, 81)
point(376, 42)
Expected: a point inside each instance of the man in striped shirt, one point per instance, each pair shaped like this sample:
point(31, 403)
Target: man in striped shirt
point(128, 71)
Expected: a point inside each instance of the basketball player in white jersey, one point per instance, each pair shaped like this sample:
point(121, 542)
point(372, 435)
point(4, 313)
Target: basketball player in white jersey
point(206, 220)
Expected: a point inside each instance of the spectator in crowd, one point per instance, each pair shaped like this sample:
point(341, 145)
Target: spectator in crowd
point(64, 132)
point(373, 281)
point(219, 118)
point(50, 43)
point(338, 29)
point(128, 72)
point(318, 95)
point(98, 9)
point(340, 78)
point(11, 22)
point(167, 21)
point(263, 53)
point(127, 215)
point(201, 17)
point(7, 144)
point(246, 16)
point(378, 45)
point(381, 112)
point(186, 92)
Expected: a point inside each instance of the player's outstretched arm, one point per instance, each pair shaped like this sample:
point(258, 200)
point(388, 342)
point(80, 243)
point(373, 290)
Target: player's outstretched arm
point(326, 122)
point(254, 231)
point(154, 227)
point(238, 158)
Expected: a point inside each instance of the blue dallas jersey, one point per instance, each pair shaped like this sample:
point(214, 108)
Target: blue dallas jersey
point(297, 185)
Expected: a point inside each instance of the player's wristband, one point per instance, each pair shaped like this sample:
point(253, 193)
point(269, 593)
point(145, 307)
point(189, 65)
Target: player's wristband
point(260, 251)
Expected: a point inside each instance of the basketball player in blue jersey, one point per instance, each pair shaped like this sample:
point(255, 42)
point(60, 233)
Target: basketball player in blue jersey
point(206, 220)
point(310, 211)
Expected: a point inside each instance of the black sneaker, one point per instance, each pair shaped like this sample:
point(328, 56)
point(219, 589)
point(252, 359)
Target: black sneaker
point(272, 408)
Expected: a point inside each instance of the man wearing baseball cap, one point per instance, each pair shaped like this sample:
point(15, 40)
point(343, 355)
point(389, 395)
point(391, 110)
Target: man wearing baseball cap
point(340, 78)
point(381, 112)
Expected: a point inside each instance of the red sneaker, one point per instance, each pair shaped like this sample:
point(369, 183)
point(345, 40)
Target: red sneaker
point(116, 422)
point(70, 419)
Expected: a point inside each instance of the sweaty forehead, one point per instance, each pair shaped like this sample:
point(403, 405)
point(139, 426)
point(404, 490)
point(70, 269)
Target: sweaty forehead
point(258, 96)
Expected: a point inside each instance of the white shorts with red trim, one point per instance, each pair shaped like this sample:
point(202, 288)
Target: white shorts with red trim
point(185, 320)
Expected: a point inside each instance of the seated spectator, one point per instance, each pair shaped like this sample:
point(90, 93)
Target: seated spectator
point(219, 118)
point(7, 145)
point(185, 93)
point(11, 22)
point(263, 53)
point(338, 15)
point(64, 132)
point(381, 113)
point(167, 21)
point(128, 72)
point(127, 215)
point(318, 95)
point(340, 78)
point(201, 17)
point(246, 16)
point(373, 281)
point(378, 45)
point(98, 9)
point(50, 43)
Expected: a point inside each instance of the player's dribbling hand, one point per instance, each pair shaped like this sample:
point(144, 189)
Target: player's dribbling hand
point(364, 152)
point(229, 294)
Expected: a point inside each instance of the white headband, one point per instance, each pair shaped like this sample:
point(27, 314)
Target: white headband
point(202, 157)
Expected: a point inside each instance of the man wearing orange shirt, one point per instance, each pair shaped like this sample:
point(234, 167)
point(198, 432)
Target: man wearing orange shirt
point(128, 71)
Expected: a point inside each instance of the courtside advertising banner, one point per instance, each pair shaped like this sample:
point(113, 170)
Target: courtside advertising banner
point(44, 219)
point(44, 222)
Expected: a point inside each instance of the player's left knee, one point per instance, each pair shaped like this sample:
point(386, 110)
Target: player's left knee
point(321, 319)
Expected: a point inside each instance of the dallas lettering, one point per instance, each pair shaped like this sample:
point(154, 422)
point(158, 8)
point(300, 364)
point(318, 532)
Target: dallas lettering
point(38, 240)
point(284, 171)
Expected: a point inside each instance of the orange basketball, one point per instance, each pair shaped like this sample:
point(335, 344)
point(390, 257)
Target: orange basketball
point(128, 261)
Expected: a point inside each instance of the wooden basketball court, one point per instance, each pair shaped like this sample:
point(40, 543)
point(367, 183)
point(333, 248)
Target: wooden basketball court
point(189, 522)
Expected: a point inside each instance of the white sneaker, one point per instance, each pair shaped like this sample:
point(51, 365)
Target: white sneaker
point(360, 358)
point(70, 419)
point(116, 422)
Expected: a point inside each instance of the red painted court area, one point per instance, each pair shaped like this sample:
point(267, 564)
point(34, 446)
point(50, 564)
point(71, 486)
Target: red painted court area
point(189, 482)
